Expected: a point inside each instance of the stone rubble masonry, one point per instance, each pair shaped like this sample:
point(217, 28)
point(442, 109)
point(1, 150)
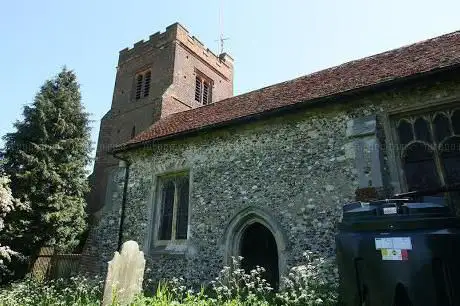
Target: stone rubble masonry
point(296, 169)
point(102, 241)
point(174, 58)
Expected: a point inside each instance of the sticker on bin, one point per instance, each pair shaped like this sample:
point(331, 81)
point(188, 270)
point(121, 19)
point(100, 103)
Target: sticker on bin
point(390, 210)
point(398, 243)
point(394, 254)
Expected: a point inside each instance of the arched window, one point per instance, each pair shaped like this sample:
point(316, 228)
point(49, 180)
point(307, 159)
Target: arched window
point(405, 132)
point(450, 157)
point(441, 127)
point(430, 150)
point(420, 167)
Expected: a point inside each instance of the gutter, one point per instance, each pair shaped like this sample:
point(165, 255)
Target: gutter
point(123, 201)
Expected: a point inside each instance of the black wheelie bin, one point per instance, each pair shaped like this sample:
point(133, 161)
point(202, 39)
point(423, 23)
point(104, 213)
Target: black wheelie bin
point(398, 252)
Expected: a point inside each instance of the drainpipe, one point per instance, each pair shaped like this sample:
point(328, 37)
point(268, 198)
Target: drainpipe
point(126, 164)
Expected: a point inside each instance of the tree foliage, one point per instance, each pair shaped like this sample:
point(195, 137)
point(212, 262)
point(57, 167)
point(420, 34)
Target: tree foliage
point(45, 158)
point(2, 161)
point(8, 204)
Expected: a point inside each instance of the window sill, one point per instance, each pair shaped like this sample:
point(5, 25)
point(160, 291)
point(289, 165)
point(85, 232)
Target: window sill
point(170, 250)
point(141, 99)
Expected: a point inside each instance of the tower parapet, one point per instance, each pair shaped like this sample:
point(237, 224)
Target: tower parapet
point(178, 33)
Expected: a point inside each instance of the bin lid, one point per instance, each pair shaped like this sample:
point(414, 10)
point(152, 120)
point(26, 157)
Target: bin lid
point(386, 208)
point(384, 213)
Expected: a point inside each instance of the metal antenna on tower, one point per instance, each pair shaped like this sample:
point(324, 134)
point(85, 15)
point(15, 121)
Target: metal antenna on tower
point(222, 39)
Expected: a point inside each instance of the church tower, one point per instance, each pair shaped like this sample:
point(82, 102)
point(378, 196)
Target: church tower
point(171, 72)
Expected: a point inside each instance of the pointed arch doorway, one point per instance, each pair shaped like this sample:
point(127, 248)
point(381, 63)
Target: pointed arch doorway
point(258, 248)
point(255, 234)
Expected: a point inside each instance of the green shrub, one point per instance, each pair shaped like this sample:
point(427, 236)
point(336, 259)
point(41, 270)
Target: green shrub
point(73, 291)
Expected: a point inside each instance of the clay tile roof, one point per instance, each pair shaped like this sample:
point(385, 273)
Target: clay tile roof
point(418, 58)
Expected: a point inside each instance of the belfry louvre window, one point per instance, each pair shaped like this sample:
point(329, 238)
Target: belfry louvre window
point(174, 201)
point(139, 78)
point(147, 78)
point(143, 84)
point(430, 149)
point(202, 90)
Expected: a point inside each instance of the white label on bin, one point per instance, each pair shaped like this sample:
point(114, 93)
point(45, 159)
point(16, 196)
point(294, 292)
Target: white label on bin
point(383, 243)
point(390, 210)
point(398, 243)
point(402, 243)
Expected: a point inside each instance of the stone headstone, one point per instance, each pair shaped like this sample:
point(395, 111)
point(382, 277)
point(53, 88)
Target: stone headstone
point(125, 275)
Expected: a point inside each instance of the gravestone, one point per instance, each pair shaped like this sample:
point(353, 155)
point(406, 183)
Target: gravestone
point(125, 275)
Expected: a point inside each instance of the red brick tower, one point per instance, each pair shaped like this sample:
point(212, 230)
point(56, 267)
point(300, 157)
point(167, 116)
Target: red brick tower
point(169, 73)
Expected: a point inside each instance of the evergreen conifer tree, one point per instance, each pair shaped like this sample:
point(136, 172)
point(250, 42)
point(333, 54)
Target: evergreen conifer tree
point(45, 159)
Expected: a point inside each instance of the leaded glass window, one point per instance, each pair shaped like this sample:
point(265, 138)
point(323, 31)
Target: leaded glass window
point(174, 201)
point(430, 150)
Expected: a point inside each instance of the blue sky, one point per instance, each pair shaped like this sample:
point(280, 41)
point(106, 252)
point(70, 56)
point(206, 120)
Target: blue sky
point(271, 41)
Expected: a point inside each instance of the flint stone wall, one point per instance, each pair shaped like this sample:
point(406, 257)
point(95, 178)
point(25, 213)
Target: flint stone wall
point(299, 168)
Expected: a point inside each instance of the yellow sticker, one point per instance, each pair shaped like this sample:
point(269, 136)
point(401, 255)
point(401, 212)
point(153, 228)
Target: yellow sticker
point(394, 254)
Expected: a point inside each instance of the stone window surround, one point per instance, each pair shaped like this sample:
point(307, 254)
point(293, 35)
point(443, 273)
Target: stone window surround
point(153, 245)
point(390, 120)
